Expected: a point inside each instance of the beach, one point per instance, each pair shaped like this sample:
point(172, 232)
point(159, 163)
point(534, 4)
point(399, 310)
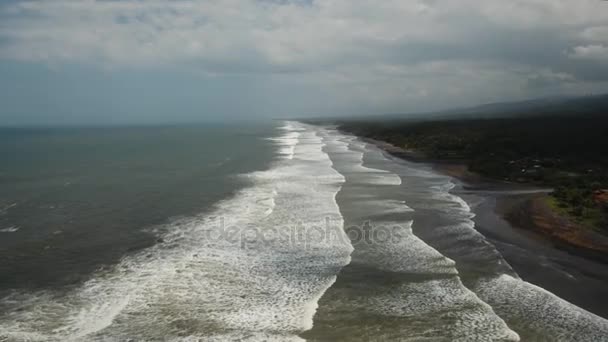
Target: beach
point(328, 238)
point(543, 248)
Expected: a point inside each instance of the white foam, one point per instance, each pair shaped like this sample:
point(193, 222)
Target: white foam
point(260, 284)
point(385, 207)
point(403, 245)
point(535, 313)
point(350, 150)
point(287, 143)
point(446, 309)
point(539, 314)
point(425, 301)
point(10, 229)
point(403, 252)
point(4, 210)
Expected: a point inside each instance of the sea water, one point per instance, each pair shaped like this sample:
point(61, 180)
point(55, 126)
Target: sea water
point(285, 231)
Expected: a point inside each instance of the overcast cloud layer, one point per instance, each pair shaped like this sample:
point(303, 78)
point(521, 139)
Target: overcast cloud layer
point(275, 58)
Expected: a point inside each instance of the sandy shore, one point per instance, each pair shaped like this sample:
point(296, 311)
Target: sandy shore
point(528, 208)
point(542, 247)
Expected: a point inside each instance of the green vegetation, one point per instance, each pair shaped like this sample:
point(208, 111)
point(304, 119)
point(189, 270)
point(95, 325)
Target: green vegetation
point(566, 151)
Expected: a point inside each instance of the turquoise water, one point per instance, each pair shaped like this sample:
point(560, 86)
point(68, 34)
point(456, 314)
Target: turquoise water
point(75, 199)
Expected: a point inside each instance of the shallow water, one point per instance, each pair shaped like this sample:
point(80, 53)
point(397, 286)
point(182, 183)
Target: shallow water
point(330, 240)
point(442, 280)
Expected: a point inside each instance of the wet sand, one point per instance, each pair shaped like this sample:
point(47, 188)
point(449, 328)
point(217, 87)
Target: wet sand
point(572, 272)
point(573, 277)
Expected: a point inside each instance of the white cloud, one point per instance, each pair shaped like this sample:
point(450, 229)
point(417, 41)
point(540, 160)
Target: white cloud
point(596, 34)
point(591, 52)
point(376, 50)
point(263, 33)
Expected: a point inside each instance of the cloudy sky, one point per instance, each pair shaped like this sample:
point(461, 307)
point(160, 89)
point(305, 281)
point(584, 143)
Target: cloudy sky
point(128, 61)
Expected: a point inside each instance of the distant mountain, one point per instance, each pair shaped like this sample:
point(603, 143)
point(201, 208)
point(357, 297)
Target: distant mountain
point(591, 104)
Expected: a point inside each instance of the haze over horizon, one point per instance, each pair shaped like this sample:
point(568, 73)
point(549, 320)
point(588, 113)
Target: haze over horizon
point(122, 62)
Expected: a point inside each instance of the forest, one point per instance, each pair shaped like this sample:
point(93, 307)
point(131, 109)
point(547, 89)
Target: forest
point(561, 145)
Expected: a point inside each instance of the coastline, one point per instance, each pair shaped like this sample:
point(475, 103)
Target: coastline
point(542, 247)
point(526, 209)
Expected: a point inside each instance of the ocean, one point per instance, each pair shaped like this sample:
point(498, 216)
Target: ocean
point(281, 231)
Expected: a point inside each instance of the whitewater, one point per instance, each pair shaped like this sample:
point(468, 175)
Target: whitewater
point(283, 260)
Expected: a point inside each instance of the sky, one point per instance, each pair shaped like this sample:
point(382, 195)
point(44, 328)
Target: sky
point(152, 61)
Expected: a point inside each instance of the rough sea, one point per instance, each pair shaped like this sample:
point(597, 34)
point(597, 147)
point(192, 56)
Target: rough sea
point(272, 232)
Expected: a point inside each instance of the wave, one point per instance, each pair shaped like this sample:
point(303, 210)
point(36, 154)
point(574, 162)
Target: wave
point(252, 269)
point(10, 229)
point(534, 313)
point(406, 289)
point(286, 144)
point(538, 314)
point(275, 261)
point(349, 151)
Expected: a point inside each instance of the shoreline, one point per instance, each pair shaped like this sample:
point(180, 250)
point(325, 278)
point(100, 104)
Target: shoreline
point(515, 218)
point(524, 206)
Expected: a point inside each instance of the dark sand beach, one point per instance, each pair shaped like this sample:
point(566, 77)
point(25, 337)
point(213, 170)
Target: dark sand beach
point(542, 247)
